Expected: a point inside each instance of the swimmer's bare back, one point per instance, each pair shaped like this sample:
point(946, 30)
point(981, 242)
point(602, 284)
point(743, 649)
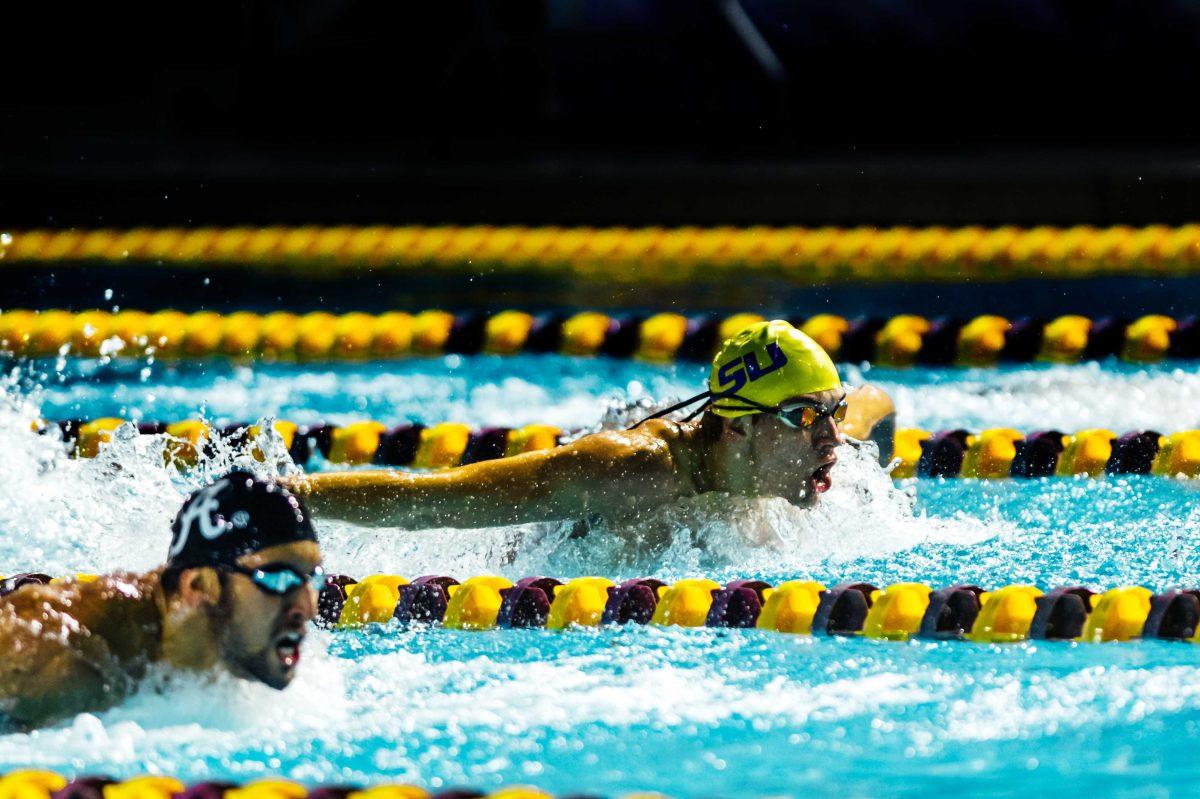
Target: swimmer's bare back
point(74, 646)
point(613, 475)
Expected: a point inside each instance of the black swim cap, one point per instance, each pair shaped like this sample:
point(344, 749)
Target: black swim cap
point(234, 516)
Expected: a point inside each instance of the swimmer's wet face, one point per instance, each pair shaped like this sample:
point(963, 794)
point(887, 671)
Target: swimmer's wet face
point(263, 630)
point(796, 463)
point(247, 558)
point(780, 390)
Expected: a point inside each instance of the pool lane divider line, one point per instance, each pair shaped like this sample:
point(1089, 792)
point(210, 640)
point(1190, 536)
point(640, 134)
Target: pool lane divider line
point(899, 341)
point(897, 612)
point(995, 453)
point(648, 255)
point(40, 784)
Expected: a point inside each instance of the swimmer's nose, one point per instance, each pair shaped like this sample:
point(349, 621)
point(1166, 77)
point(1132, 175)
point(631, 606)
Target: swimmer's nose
point(826, 433)
point(303, 608)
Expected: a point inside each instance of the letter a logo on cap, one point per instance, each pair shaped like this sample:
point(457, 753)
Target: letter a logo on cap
point(201, 513)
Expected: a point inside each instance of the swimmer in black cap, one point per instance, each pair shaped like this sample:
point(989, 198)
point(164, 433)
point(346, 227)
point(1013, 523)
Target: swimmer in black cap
point(237, 591)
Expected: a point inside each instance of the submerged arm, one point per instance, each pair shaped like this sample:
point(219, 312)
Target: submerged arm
point(606, 474)
point(52, 668)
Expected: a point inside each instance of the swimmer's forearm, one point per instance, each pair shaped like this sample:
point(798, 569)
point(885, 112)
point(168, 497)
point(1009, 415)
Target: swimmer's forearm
point(601, 474)
point(455, 498)
point(373, 499)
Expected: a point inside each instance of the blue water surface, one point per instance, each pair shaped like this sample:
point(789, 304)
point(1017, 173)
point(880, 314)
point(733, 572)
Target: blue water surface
point(573, 392)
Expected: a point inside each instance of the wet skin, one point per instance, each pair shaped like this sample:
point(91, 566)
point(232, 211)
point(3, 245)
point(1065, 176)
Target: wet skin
point(615, 475)
point(74, 647)
point(792, 463)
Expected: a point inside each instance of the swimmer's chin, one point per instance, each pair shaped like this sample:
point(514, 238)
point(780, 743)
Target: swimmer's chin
point(806, 499)
point(260, 670)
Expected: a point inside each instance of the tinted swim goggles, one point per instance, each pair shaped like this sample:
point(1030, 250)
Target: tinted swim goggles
point(280, 579)
point(798, 415)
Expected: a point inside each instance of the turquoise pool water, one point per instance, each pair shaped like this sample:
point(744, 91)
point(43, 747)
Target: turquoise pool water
point(687, 712)
point(571, 392)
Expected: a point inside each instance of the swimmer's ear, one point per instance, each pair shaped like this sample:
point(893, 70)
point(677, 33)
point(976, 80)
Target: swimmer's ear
point(199, 586)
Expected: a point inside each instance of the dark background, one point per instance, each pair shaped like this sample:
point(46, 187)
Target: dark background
point(601, 112)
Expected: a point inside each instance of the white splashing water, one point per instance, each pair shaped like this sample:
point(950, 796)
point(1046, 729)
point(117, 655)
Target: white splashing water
point(1040, 398)
point(62, 514)
point(176, 717)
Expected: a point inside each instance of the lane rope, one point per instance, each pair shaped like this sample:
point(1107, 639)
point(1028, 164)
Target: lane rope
point(41, 784)
point(897, 341)
point(896, 612)
point(643, 255)
point(995, 453)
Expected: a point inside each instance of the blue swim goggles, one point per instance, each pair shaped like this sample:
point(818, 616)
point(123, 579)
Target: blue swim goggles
point(280, 579)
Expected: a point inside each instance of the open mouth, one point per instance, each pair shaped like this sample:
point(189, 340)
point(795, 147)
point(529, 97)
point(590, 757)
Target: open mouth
point(822, 479)
point(287, 647)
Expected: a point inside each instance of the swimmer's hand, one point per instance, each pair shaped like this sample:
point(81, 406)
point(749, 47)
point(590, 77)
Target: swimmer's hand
point(871, 416)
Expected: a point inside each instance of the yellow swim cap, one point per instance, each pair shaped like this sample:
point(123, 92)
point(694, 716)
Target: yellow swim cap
point(767, 363)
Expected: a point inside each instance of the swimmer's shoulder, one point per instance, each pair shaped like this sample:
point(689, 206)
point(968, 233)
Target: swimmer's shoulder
point(653, 461)
point(34, 601)
point(664, 429)
point(119, 608)
point(647, 445)
point(871, 415)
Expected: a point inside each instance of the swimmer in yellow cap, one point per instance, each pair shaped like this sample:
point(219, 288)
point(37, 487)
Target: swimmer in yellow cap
point(769, 424)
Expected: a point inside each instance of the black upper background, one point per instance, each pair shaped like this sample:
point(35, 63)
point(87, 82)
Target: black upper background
point(600, 112)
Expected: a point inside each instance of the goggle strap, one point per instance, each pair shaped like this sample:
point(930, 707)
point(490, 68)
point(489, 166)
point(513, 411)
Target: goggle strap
point(713, 399)
point(748, 404)
point(741, 408)
point(707, 395)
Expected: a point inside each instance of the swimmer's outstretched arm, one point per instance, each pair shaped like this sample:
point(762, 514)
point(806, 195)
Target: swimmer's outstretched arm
point(606, 473)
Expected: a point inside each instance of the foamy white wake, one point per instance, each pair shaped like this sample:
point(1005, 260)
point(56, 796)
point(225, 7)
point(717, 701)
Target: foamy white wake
point(1041, 398)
